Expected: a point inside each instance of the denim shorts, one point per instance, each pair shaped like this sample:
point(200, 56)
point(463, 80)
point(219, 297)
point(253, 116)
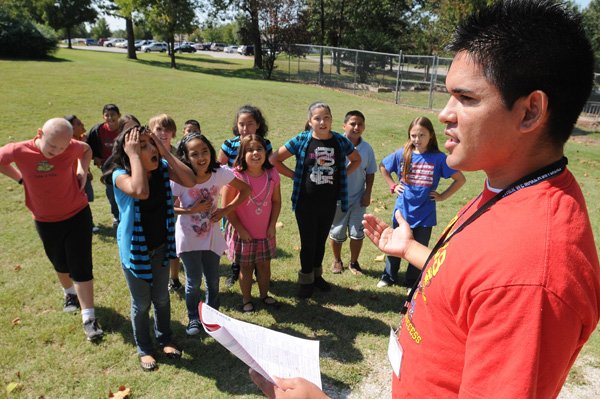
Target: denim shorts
point(348, 223)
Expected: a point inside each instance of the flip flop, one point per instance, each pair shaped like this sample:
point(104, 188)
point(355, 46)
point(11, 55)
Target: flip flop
point(270, 302)
point(148, 366)
point(248, 307)
point(174, 353)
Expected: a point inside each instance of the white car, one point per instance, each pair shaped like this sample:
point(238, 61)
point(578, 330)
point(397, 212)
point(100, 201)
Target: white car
point(122, 44)
point(113, 42)
point(156, 46)
point(231, 49)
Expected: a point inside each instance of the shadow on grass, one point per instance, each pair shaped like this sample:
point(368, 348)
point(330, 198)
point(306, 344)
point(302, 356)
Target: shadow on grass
point(243, 73)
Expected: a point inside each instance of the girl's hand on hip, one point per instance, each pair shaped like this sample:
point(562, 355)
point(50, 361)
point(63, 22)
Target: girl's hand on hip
point(434, 195)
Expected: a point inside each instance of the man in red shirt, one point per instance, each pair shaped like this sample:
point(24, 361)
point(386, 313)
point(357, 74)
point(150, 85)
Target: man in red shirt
point(511, 292)
point(53, 167)
point(101, 139)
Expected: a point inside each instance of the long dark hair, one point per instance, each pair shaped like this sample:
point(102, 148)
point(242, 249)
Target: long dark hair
point(240, 161)
point(183, 153)
point(262, 129)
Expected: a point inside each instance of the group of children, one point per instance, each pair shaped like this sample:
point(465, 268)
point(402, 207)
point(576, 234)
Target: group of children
point(168, 202)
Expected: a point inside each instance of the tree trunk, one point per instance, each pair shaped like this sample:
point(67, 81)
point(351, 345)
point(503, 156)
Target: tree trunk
point(69, 38)
point(130, 39)
point(171, 47)
point(322, 38)
point(255, 32)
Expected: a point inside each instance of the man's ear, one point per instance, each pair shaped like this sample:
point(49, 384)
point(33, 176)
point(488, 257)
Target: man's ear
point(535, 110)
point(39, 132)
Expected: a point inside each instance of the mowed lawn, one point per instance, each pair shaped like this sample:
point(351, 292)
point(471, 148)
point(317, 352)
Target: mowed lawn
point(43, 350)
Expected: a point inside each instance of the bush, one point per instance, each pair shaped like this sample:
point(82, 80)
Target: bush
point(21, 38)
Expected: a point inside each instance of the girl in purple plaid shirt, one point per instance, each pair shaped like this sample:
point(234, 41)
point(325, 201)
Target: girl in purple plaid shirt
point(251, 230)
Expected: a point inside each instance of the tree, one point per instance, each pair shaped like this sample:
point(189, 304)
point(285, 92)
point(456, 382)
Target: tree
point(16, 28)
point(67, 14)
point(170, 17)
point(591, 23)
point(280, 26)
point(251, 9)
point(100, 29)
point(124, 9)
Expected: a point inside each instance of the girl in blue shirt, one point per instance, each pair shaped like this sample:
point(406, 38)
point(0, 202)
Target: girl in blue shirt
point(419, 165)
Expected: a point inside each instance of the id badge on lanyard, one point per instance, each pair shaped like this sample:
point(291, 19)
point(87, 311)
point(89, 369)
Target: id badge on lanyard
point(395, 352)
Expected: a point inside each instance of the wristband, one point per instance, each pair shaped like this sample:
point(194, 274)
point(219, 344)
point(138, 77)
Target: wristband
point(393, 188)
point(20, 181)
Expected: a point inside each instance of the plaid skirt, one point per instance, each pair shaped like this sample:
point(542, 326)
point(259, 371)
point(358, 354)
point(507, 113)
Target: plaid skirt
point(248, 252)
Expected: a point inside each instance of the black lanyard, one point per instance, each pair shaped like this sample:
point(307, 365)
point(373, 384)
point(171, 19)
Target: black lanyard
point(545, 173)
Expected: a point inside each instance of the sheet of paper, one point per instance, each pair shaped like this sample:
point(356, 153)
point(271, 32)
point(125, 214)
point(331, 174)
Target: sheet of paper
point(269, 352)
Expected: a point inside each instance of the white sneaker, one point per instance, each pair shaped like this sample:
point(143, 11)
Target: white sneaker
point(193, 327)
point(382, 283)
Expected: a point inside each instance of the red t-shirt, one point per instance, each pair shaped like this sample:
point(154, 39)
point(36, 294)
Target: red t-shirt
point(508, 302)
point(51, 188)
point(107, 138)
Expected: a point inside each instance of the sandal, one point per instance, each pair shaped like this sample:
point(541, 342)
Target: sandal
point(270, 302)
point(248, 307)
point(148, 366)
point(172, 353)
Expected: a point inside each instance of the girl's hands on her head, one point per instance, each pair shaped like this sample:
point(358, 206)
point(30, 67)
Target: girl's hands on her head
point(132, 142)
point(159, 144)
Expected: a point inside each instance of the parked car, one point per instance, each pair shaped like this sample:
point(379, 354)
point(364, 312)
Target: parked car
point(218, 46)
point(101, 41)
point(122, 44)
point(184, 48)
point(156, 46)
point(246, 49)
point(230, 49)
point(90, 42)
point(113, 42)
point(140, 43)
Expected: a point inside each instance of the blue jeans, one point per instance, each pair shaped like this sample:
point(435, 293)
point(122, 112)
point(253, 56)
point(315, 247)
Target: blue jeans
point(392, 263)
point(143, 295)
point(196, 264)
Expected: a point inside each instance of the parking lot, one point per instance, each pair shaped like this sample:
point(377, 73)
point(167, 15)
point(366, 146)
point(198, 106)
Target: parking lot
point(215, 54)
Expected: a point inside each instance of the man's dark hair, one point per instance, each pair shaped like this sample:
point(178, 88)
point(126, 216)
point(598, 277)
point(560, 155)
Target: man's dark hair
point(350, 114)
point(528, 45)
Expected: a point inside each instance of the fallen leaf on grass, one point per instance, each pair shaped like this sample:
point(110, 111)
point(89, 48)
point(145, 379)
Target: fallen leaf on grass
point(122, 393)
point(17, 268)
point(296, 248)
point(16, 321)
point(380, 258)
point(278, 225)
point(13, 387)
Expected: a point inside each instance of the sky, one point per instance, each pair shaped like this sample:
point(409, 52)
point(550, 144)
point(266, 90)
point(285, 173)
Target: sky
point(119, 23)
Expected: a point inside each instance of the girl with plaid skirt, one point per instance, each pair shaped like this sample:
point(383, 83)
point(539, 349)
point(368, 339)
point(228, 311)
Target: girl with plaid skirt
point(251, 229)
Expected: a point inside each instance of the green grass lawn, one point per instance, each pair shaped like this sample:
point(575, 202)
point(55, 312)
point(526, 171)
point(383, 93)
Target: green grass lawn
point(44, 349)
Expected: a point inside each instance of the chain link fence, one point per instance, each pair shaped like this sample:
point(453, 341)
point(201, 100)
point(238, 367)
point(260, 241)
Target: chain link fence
point(412, 80)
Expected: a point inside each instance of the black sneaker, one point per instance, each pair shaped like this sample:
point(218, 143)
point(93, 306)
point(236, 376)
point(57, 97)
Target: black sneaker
point(355, 268)
point(174, 285)
point(305, 291)
point(321, 284)
point(92, 330)
point(235, 275)
point(71, 303)
point(193, 327)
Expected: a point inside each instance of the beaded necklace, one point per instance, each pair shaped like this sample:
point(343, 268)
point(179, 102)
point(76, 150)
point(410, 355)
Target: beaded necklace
point(259, 203)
